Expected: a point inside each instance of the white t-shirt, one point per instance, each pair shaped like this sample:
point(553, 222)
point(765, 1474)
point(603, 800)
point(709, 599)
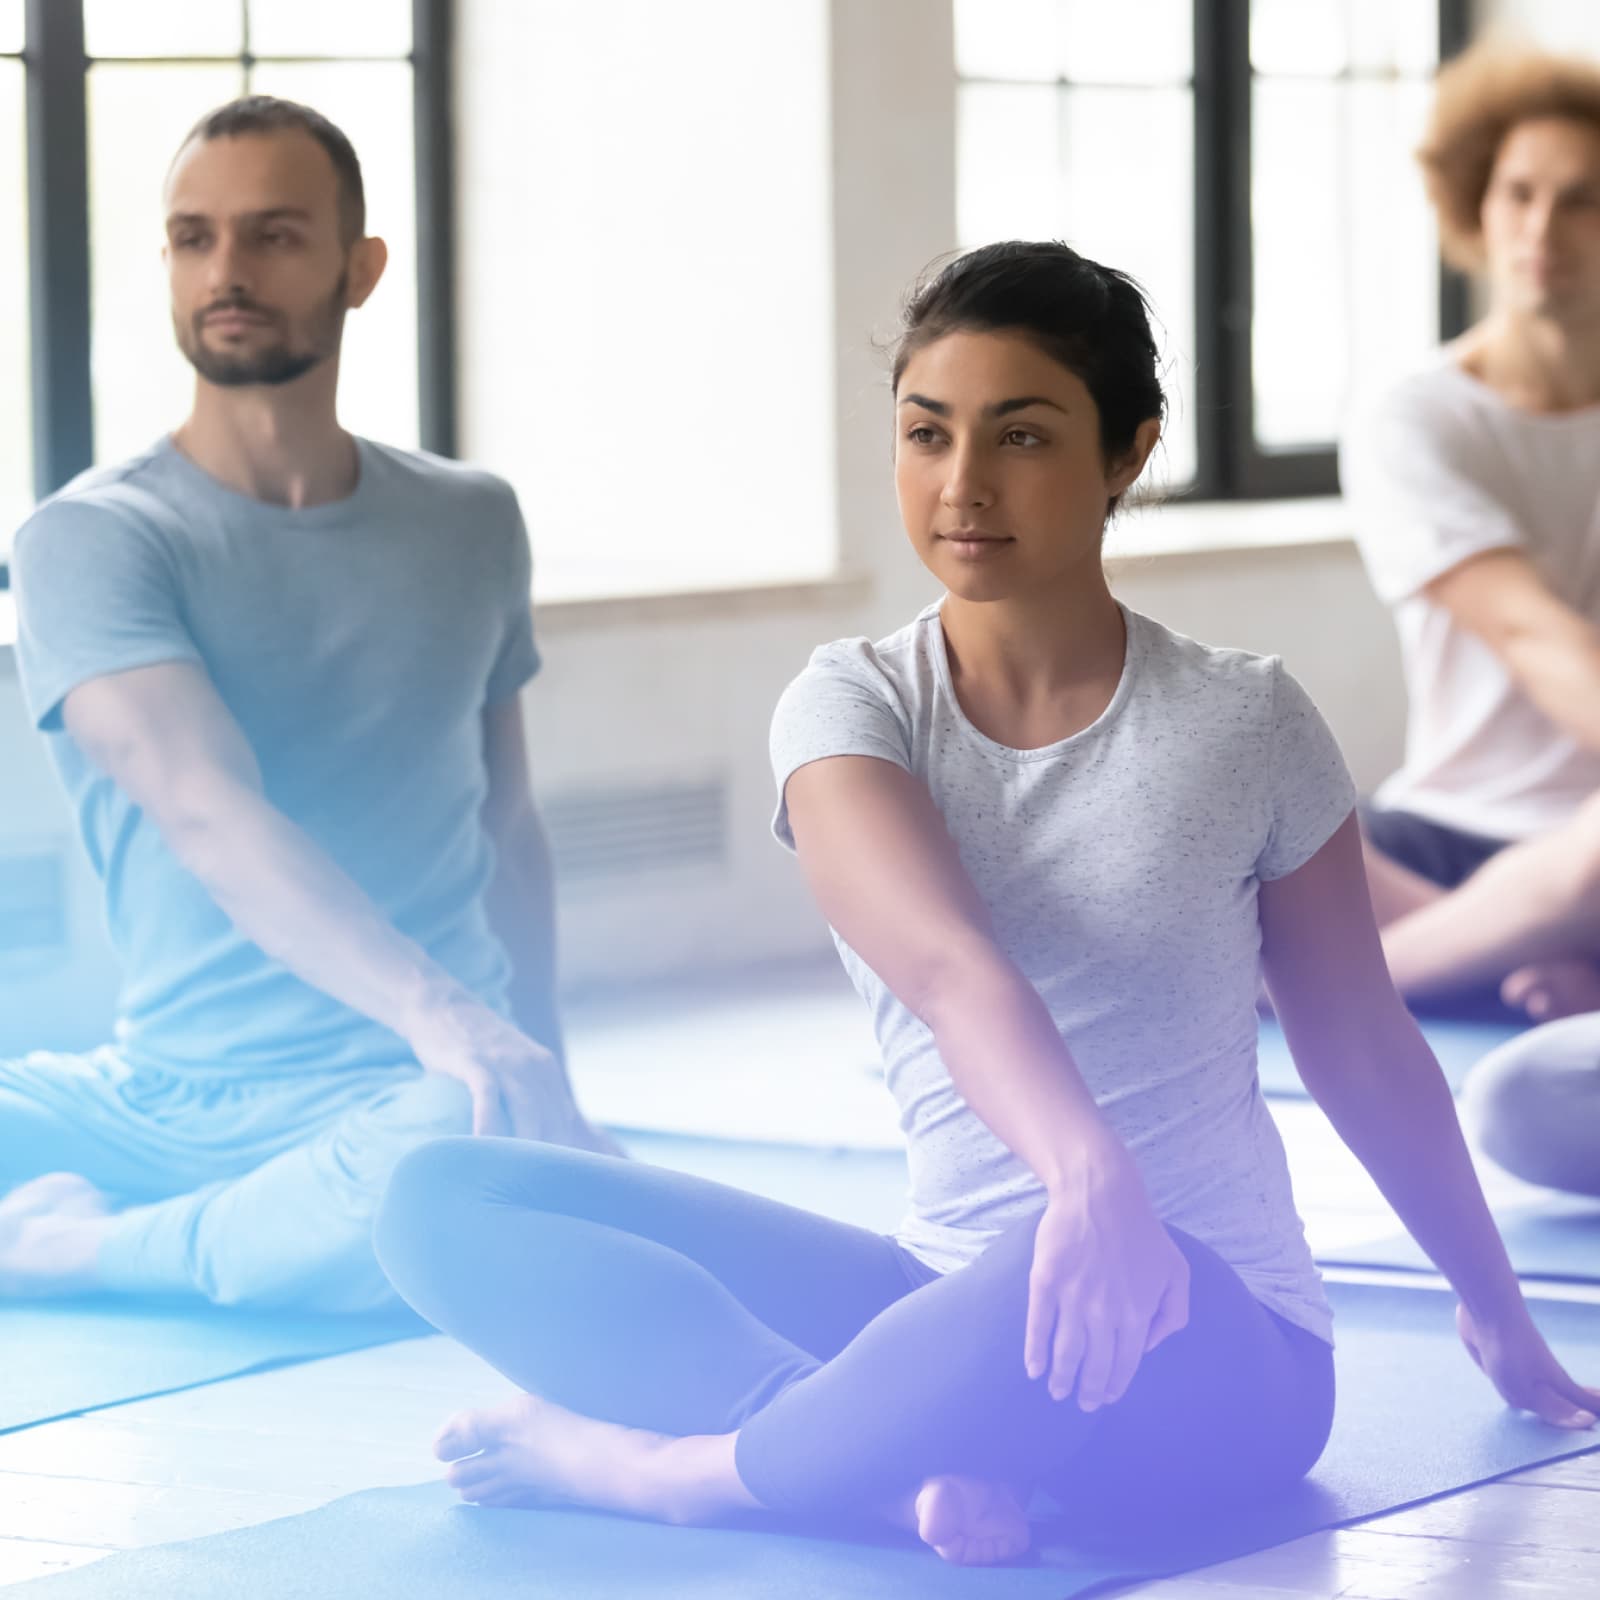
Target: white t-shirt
point(1441, 469)
point(1120, 867)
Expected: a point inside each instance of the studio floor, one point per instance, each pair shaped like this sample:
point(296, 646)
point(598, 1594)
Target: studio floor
point(272, 1444)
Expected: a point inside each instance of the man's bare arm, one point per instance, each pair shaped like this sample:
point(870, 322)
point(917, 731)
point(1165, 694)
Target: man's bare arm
point(164, 736)
point(1551, 650)
point(521, 895)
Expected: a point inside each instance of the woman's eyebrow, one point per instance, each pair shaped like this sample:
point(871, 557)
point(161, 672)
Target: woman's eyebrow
point(1000, 408)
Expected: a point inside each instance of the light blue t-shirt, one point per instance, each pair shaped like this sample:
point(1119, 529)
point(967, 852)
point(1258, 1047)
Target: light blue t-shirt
point(356, 644)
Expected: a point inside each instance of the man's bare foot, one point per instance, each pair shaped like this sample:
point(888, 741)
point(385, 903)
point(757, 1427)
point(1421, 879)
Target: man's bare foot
point(971, 1522)
point(533, 1452)
point(50, 1233)
point(1552, 989)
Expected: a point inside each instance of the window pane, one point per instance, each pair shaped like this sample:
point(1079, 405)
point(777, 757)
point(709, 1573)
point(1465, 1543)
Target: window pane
point(316, 28)
point(1019, 40)
point(1032, 164)
point(1086, 41)
point(1346, 274)
point(372, 103)
point(642, 355)
point(1133, 41)
point(1333, 36)
point(1299, 214)
point(138, 115)
point(1289, 36)
point(163, 27)
point(11, 25)
point(16, 459)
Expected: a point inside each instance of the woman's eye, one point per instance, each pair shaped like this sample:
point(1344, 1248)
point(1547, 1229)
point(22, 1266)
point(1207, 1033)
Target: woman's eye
point(1021, 436)
point(920, 435)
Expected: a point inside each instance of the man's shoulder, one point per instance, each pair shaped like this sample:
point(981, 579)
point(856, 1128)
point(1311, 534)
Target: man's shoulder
point(435, 477)
point(127, 493)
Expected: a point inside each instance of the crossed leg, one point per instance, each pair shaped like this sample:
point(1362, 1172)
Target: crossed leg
point(1527, 920)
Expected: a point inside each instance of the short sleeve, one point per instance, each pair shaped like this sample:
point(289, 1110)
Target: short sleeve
point(841, 705)
point(517, 659)
point(96, 594)
point(1309, 788)
point(1418, 479)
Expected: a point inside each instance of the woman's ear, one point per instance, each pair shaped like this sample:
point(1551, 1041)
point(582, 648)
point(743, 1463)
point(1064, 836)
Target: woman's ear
point(1122, 476)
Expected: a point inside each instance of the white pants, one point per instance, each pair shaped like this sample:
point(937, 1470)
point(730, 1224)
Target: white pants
point(1533, 1104)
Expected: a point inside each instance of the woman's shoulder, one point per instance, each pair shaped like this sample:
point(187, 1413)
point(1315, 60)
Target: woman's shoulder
point(1184, 664)
point(891, 663)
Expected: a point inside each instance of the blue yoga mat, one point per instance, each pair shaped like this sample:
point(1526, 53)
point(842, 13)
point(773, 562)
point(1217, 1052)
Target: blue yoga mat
point(1458, 1045)
point(63, 1358)
point(1415, 1420)
point(1557, 1239)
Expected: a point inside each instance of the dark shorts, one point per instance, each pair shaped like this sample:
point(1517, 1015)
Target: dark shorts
point(1443, 855)
point(1448, 857)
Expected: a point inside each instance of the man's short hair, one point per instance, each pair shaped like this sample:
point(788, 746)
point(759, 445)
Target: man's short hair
point(265, 113)
point(1479, 97)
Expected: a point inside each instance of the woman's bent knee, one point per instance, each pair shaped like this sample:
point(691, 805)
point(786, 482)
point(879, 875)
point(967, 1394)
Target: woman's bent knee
point(416, 1213)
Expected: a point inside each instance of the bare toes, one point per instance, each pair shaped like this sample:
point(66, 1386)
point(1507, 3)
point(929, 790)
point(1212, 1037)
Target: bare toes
point(464, 1434)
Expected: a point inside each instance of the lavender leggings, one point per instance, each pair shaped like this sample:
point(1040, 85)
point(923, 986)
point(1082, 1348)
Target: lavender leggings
point(851, 1371)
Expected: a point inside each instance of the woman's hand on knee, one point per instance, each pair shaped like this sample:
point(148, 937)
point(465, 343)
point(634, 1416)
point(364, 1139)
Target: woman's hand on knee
point(1106, 1287)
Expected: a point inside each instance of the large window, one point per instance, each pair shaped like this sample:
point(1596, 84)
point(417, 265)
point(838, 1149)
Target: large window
point(111, 89)
point(1250, 162)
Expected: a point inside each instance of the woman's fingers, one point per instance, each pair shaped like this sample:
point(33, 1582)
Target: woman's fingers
point(1068, 1352)
point(1172, 1315)
point(1550, 1405)
point(1130, 1352)
point(1099, 1357)
point(1041, 1326)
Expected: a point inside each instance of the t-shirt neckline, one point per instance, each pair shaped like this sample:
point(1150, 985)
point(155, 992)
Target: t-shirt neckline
point(1133, 651)
point(326, 513)
point(1589, 414)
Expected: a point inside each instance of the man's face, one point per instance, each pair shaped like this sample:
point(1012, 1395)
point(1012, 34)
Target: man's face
point(1541, 219)
point(261, 275)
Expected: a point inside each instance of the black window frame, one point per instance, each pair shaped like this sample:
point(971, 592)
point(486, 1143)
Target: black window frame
point(1230, 463)
point(56, 68)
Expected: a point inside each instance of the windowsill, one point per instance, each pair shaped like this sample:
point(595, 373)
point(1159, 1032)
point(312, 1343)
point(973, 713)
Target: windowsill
point(1215, 527)
point(569, 613)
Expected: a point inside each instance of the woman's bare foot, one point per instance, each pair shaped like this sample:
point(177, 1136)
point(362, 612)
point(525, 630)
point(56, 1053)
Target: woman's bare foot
point(50, 1234)
point(1552, 989)
point(534, 1452)
point(970, 1522)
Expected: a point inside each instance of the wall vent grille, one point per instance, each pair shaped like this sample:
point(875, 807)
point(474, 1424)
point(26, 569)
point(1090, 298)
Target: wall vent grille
point(613, 833)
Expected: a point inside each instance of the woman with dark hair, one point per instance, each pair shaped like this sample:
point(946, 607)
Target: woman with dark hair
point(1058, 845)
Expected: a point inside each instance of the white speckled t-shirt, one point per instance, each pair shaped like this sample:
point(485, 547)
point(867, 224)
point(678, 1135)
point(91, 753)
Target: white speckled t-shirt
point(1120, 868)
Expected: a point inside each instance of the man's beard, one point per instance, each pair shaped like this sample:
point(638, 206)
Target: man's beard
point(269, 365)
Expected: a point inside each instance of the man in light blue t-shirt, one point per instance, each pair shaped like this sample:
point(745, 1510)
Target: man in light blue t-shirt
point(278, 670)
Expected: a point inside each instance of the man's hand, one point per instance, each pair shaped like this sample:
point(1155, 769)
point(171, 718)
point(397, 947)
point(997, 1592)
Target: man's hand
point(518, 1087)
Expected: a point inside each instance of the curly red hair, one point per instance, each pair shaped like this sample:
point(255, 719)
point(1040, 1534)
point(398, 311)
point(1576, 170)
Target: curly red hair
point(1479, 97)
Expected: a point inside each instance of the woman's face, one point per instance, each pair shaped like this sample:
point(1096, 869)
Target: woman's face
point(997, 465)
point(1541, 219)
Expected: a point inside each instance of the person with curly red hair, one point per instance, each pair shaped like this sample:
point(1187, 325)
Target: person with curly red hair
point(1476, 487)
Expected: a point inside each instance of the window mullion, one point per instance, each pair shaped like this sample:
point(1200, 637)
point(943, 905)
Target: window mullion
point(432, 89)
point(1222, 243)
point(58, 241)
